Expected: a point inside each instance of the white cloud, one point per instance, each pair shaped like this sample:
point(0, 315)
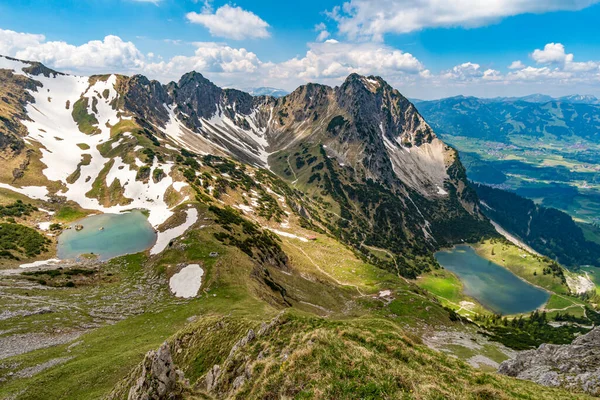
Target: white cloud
point(368, 19)
point(11, 41)
point(333, 60)
point(553, 53)
point(492, 75)
point(322, 36)
point(327, 62)
point(516, 65)
point(231, 22)
point(112, 53)
point(320, 27)
point(464, 72)
point(538, 74)
point(209, 57)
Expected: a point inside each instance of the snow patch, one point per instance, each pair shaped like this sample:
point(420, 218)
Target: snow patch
point(179, 185)
point(15, 66)
point(44, 226)
point(245, 208)
point(287, 234)
point(33, 192)
point(164, 238)
point(34, 264)
point(51, 120)
point(187, 282)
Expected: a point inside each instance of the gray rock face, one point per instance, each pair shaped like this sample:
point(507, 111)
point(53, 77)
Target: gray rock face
point(146, 99)
point(158, 378)
point(575, 366)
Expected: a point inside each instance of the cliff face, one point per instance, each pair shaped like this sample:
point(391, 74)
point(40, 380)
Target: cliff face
point(574, 366)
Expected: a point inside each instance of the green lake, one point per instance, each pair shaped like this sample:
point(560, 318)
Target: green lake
point(107, 236)
point(495, 287)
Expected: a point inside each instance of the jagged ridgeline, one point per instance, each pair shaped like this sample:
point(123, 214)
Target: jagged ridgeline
point(361, 161)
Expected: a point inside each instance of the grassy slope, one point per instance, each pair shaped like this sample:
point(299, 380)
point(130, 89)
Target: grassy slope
point(511, 257)
point(307, 357)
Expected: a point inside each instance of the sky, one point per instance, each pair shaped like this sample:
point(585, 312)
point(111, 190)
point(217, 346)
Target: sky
point(425, 48)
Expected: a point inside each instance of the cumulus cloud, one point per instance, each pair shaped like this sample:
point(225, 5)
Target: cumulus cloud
point(364, 58)
point(330, 62)
point(554, 68)
point(492, 75)
point(327, 62)
point(231, 22)
point(364, 18)
point(110, 53)
point(209, 57)
point(11, 41)
point(538, 74)
point(464, 72)
point(553, 53)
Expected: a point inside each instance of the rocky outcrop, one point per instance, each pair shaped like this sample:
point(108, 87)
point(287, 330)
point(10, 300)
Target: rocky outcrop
point(156, 378)
point(575, 366)
point(225, 379)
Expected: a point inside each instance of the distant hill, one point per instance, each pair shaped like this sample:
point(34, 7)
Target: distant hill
point(498, 118)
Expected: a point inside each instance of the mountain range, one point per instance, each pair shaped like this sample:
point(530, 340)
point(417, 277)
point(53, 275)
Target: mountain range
point(531, 98)
point(499, 118)
point(293, 235)
point(266, 91)
point(362, 146)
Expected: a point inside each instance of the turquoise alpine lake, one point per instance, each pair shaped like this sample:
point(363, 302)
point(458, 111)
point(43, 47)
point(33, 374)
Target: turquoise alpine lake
point(495, 287)
point(107, 236)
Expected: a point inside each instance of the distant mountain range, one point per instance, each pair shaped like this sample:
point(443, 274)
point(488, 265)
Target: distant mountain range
point(497, 118)
point(266, 91)
point(532, 98)
point(542, 98)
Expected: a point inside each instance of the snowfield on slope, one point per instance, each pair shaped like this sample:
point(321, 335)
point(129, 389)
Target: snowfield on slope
point(187, 282)
point(52, 127)
point(165, 237)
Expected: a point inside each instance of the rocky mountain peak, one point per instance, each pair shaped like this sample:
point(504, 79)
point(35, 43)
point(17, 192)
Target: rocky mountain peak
point(144, 98)
point(373, 102)
point(195, 78)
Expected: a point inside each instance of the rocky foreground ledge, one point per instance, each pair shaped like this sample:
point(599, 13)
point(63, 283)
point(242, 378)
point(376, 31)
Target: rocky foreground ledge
point(574, 366)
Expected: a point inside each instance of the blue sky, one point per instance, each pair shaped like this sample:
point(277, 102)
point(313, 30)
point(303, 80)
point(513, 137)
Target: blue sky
point(425, 49)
